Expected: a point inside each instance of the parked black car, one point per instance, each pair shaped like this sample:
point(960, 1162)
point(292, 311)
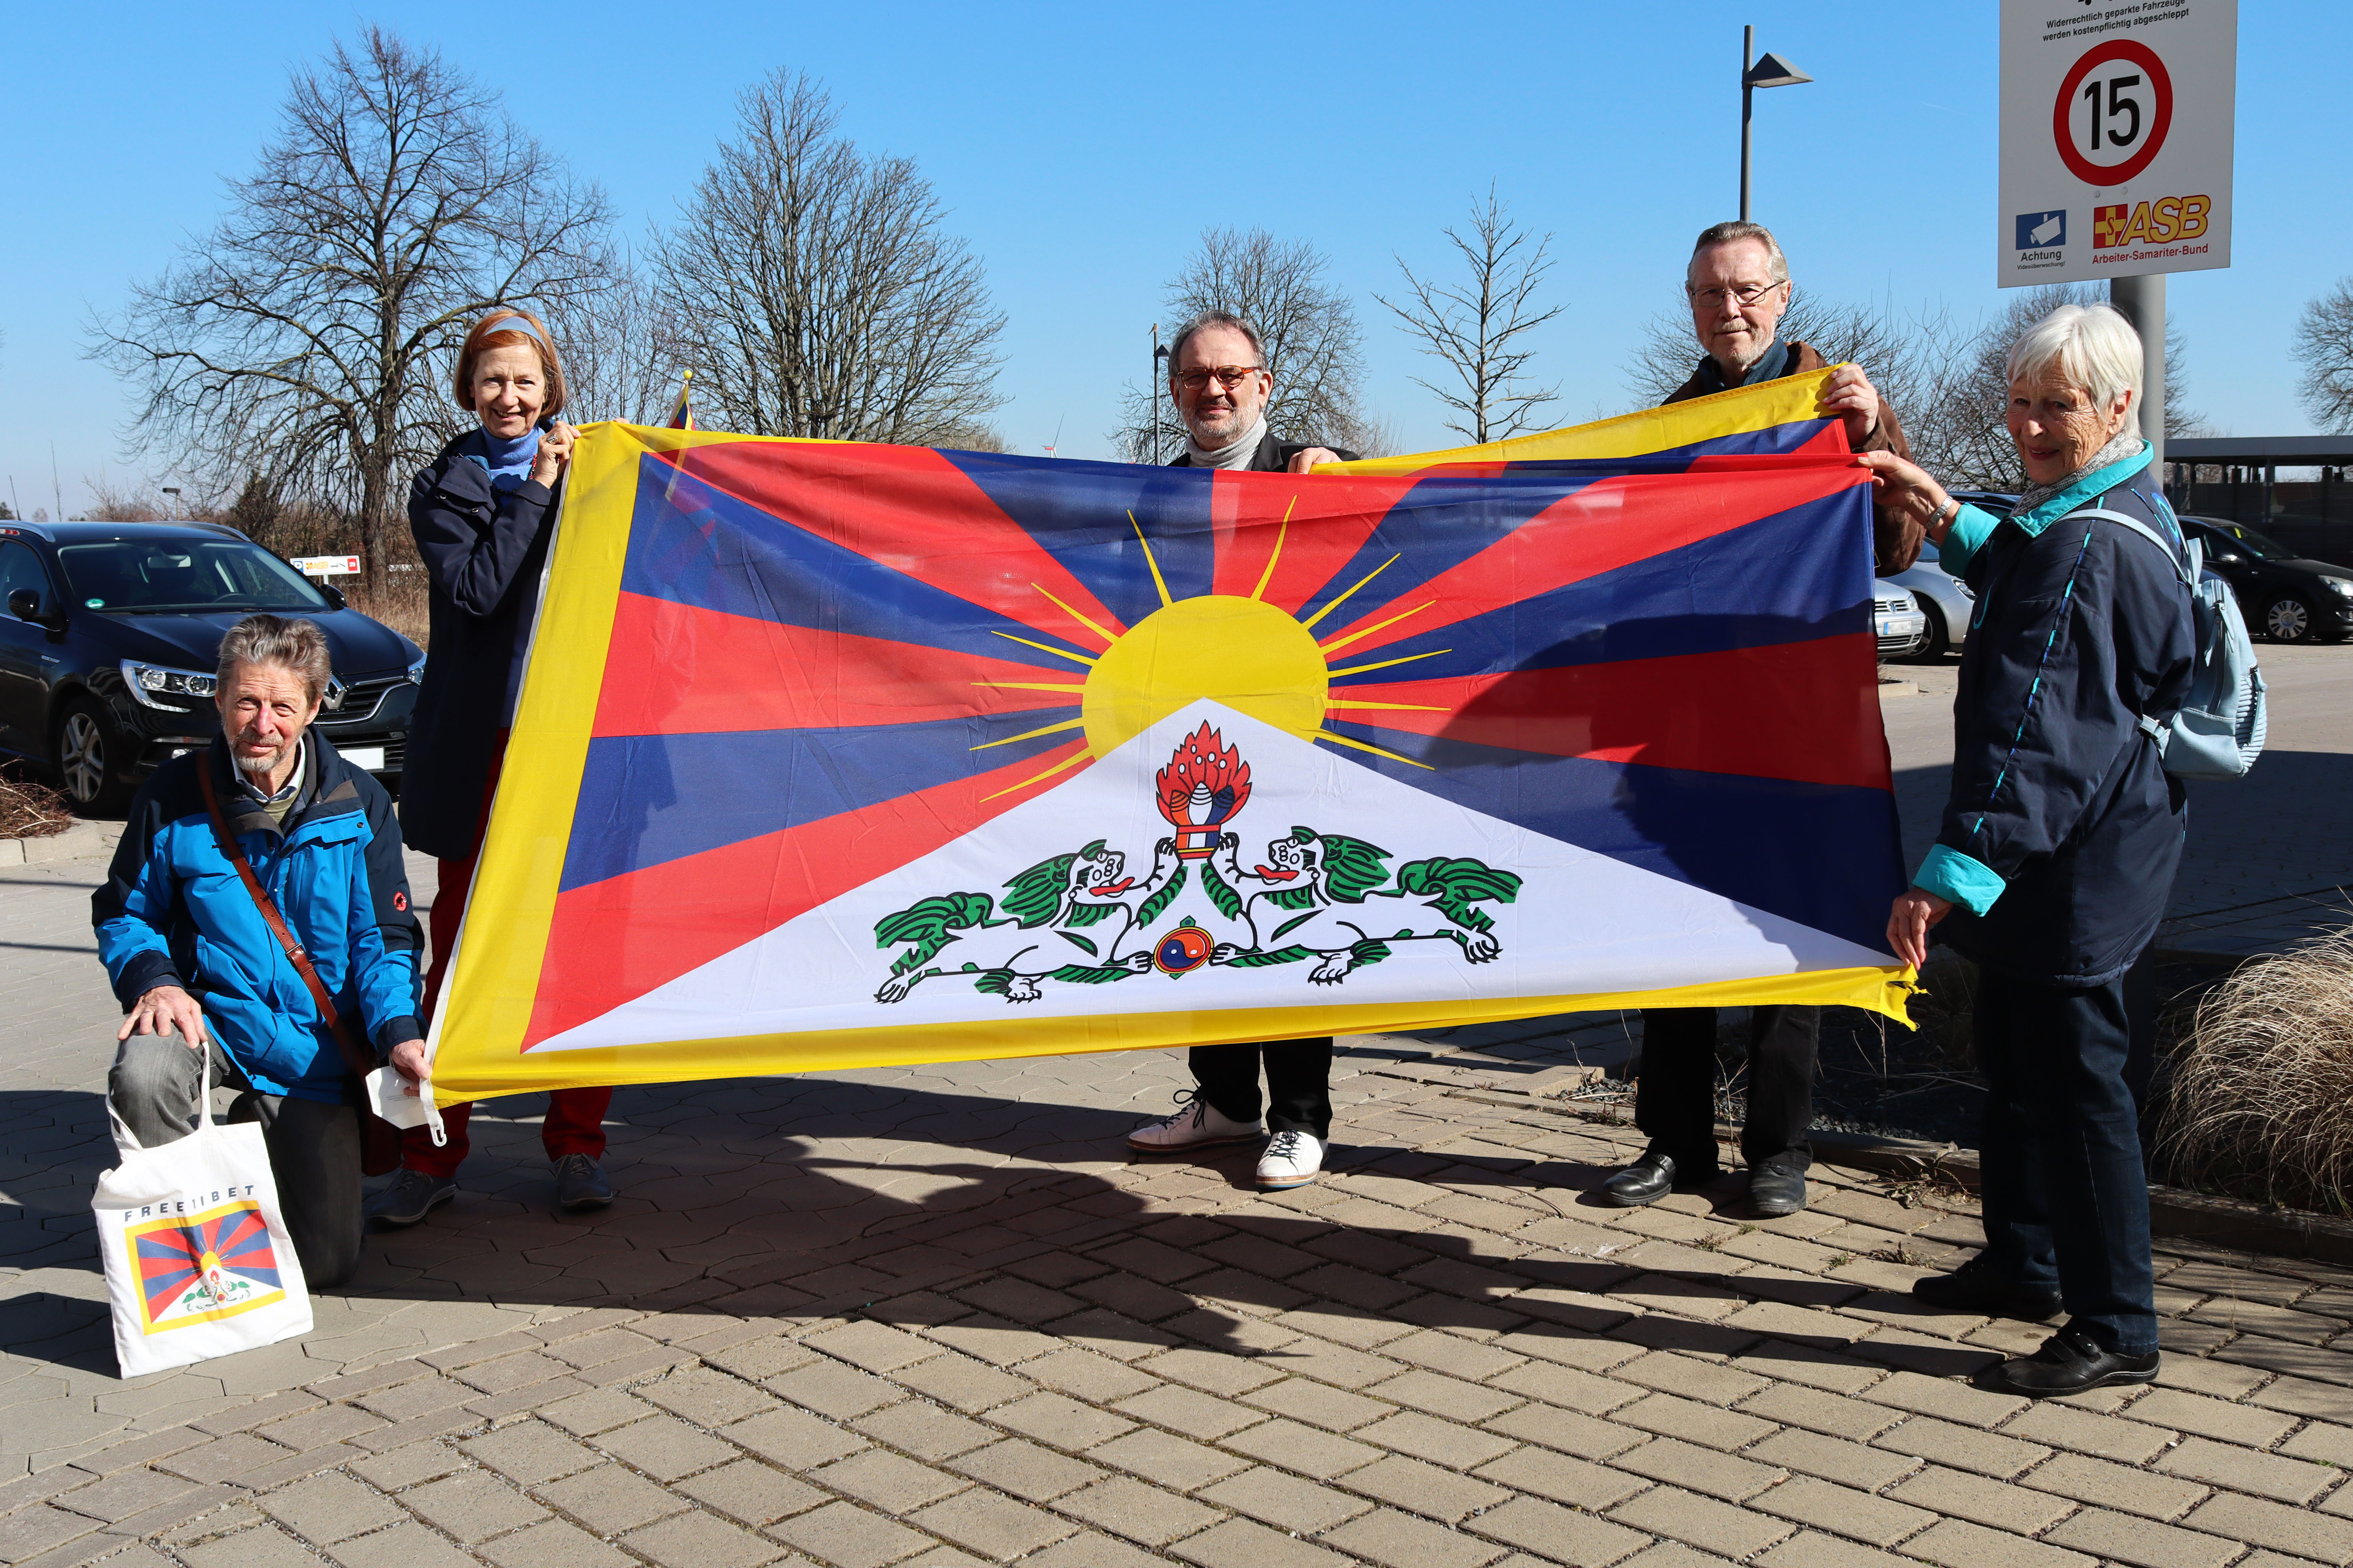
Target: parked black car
point(2285, 596)
point(108, 645)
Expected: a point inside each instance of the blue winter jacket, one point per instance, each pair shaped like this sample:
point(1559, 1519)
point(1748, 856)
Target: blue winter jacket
point(2062, 831)
point(174, 911)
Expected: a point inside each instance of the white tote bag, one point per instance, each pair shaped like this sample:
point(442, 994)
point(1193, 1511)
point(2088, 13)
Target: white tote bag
point(198, 1262)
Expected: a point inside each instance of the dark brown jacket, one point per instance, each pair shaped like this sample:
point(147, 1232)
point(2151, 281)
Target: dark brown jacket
point(1895, 540)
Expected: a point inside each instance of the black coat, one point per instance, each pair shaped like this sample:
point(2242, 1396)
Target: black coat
point(484, 551)
point(1273, 457)
point(2080, 629)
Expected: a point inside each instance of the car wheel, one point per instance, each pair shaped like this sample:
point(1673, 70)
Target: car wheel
point(2288, 618)
point(91, 757)
point(1933, 649)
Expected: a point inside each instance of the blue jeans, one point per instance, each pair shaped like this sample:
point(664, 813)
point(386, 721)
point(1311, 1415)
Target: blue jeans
point(2066, 1197)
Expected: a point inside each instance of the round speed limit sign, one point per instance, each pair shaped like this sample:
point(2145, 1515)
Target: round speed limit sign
point(2114, 108)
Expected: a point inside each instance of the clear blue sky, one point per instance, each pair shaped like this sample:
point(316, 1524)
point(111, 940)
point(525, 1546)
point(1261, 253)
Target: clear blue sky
point(1081, 149)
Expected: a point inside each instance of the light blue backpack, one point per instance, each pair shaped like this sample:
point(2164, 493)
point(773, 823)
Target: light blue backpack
point(2219, 731)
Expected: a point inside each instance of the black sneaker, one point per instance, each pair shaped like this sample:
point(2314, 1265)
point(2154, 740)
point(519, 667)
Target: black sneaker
point(580, 1184)
point(1981, 1285)
point(410, 1198)
point(2072, 1362)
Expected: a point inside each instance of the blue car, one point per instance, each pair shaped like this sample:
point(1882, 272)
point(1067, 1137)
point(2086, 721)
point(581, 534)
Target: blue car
point(108, 648)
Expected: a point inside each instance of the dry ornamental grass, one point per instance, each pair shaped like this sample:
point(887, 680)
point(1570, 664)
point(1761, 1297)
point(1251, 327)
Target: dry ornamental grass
point(401, 605)
point(2262, 1102)
point(30, 810)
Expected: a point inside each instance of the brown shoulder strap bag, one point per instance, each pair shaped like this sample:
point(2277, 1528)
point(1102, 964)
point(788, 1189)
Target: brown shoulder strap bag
point(379, 1139)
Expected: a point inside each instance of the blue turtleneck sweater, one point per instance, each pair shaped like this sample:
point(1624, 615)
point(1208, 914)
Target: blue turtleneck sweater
point(509, 462)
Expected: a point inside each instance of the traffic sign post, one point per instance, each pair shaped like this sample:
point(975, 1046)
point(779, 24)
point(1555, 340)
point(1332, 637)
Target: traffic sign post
point(2116, 154)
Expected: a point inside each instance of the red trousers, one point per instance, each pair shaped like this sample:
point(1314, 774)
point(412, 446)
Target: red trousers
point(575, 1117)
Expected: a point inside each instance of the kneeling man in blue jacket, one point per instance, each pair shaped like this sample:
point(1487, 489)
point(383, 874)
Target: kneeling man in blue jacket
point(201, 973)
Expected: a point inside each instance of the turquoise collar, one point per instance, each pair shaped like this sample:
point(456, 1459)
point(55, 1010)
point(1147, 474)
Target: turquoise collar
point(2098, 480)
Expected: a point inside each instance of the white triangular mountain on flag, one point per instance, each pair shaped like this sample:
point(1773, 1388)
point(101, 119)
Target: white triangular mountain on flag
point(1577, 923)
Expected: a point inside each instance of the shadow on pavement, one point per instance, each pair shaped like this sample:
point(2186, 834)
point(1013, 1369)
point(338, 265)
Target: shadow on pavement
point(793, 1197)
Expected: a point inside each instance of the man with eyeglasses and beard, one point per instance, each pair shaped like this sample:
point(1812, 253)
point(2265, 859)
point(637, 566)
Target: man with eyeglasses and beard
point(1219, 380)
point(1219, 383)
point(1738, 285)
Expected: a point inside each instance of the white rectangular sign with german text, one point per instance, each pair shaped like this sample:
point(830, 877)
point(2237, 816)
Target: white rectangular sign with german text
point(2115, 138)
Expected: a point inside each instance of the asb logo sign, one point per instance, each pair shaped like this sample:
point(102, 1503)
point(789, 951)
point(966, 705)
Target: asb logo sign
point(2161, 222)
point(2042, 231)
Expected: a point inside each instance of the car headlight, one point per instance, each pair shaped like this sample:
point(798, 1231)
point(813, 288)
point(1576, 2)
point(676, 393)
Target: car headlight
point(148, 682)
point(417, 670)
point(2343, 586)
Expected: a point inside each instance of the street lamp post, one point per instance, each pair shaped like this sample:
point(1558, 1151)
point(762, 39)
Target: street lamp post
point(1770, 71)
point(1152, 388)
point(174, 491)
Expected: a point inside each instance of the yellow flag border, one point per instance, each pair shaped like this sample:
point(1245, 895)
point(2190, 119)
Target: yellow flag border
point(1740, 411)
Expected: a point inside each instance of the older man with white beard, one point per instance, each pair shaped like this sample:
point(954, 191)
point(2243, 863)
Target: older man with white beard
point(266, 832)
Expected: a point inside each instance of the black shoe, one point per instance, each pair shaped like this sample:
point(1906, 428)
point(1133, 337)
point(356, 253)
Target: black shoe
point(2072, 1362)
point(580, 1184)
point(1980, 1286)
point(1777, 1190)
point(410, 1198)
point(1648, 1179)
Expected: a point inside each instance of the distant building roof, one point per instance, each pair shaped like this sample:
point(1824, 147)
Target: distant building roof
point(2298, 451)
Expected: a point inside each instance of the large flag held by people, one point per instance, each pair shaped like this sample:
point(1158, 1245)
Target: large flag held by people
point(834, 755)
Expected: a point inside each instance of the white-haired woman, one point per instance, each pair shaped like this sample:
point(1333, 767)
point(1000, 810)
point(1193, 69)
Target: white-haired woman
point(2059, 842)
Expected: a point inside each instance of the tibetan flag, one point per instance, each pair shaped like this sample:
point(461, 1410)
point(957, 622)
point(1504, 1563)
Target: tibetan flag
point(835, 755)
point(682, 413)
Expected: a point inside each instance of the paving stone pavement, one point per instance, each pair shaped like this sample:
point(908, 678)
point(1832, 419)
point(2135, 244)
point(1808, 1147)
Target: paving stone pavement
point(934, 1317)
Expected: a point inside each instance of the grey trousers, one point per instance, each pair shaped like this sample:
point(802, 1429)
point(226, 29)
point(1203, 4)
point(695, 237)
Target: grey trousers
point(314, 1148)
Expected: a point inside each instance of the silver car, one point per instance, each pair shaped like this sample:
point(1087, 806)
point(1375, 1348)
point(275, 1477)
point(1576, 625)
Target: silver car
point(1943, 599)
point(1896, 617)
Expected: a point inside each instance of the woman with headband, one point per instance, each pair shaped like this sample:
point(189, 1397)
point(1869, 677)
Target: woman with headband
point(482, 513)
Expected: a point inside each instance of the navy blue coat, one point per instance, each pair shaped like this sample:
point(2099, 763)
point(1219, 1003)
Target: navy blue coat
point(2062, 831)
point(174, 911)
point(484, 551)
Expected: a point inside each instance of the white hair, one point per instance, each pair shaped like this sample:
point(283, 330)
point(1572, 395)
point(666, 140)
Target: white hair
point(2093, 346)
point(1776, 265)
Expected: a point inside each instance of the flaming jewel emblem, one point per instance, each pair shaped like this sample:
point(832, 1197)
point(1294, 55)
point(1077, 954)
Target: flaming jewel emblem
point(1205, 784)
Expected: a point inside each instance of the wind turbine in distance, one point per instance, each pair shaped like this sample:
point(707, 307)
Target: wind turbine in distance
point(1052, 446)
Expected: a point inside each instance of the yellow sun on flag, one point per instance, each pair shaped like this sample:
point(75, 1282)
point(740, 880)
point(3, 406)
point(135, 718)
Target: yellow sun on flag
point(1251, 655)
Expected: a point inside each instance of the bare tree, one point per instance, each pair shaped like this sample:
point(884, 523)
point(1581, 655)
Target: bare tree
point(1314, 347)
point(622, 358)
point(1478, 329)
point(308, 332)
point(2324, 346)
point(827, 300)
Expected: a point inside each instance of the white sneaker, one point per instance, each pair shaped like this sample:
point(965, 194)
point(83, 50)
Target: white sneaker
point(1196, 1125)
point(1292, 1160)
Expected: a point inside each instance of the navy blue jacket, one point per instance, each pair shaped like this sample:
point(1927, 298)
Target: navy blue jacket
point(484, 551)
point(2062, 832)
point(174, 911)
